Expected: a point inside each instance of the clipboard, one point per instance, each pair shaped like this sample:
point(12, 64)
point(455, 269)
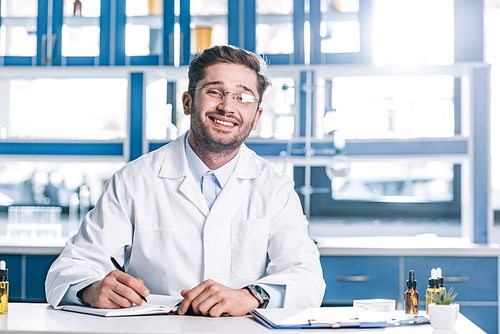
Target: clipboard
point(333, 317)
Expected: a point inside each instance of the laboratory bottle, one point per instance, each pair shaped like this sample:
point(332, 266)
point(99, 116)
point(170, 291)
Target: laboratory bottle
point(4, 287)
point(84, 197)
point(77, 8)
point(411, 294)
point(439, 274)
point(432, 289)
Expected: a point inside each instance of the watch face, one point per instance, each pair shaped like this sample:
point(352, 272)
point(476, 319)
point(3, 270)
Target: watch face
point(261, 295)
point(261, 291)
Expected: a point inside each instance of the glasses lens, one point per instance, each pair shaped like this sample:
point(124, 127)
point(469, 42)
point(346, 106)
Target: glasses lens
point(242, 99)
point(246, 98)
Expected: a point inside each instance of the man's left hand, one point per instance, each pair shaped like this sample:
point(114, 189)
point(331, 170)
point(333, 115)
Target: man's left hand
point(213, 299)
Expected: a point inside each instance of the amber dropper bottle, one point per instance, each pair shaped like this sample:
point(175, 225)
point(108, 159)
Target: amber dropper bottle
point(411, 294)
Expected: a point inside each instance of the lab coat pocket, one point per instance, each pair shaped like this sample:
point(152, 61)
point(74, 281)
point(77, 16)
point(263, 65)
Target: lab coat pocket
point(249, 248)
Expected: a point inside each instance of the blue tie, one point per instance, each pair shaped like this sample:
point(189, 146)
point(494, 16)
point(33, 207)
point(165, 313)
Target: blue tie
point(209, 188)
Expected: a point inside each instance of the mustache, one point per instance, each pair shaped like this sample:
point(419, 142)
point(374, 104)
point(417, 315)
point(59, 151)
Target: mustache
point(224, 114)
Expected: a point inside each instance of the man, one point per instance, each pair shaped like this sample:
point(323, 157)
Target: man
point(203, 216)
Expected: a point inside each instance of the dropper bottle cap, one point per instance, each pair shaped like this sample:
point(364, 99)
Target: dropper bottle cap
point(411, 283)
point(439, 275)
point(433, 280)
point(4, 272)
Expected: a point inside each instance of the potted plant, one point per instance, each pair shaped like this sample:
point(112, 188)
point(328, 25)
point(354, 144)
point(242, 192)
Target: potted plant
point(442, 311)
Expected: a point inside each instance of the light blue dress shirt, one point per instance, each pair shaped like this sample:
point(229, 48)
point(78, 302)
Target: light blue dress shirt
point(211, 183)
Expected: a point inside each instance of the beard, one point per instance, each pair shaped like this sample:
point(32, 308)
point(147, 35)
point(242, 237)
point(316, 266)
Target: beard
point(218, 142)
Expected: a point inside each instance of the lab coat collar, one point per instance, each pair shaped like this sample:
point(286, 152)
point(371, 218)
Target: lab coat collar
point(199, 169)
point(175, 164)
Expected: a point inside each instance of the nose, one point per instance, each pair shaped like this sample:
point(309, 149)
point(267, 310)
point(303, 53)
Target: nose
point(224, 103)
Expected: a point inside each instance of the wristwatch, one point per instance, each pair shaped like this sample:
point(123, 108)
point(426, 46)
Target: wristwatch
point(259, 293)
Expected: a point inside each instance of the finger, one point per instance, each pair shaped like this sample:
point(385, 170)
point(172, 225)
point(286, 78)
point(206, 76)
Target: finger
point(105, 302)
point(115, 291)
point(210, 296)
point(136, 284)
point(219, 308)
point(125, 296)
point(120, 300)
point(184, 305)
point(99, 295)
point(207, 305)
point(189, 296)
point(119, 287)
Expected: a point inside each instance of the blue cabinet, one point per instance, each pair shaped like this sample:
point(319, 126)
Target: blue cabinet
point(475, 278)
point(350, 277)
point(27, 276)
point(15, 266)
point(37, 267)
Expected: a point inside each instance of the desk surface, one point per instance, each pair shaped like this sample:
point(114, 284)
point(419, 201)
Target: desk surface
point(42, 318)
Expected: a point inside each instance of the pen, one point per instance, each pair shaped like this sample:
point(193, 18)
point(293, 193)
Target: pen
point(120, 268)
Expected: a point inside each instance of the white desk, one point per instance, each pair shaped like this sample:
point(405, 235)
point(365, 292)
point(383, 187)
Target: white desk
point(41, 318)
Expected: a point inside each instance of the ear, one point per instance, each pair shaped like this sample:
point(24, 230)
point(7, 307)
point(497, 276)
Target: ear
point(187, 100)
point(258, 113)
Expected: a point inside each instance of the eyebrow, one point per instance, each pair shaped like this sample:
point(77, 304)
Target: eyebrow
point(245, 88)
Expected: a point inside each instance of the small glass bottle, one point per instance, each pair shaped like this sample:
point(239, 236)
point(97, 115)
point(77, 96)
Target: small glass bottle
point(432, 289)
point(84, 196)
point(439, 275)
point(77, 8)
point(411, 294)
point(4, 288)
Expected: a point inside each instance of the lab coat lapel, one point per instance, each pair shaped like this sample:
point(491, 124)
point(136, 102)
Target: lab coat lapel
point(192, 191)
point(175, 166)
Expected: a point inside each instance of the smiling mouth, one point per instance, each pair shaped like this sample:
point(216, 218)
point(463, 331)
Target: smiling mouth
point(218, 121)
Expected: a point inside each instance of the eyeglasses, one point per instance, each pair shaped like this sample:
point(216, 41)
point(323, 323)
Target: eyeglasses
point(240, 99)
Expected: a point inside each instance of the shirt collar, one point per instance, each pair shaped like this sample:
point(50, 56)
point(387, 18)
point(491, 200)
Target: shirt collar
point(198, 168)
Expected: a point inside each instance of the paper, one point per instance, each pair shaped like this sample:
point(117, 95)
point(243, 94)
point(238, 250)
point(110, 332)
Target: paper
point(332, 317)
point(157, 304)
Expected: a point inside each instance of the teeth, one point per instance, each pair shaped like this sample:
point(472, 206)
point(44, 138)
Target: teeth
point(223, 123)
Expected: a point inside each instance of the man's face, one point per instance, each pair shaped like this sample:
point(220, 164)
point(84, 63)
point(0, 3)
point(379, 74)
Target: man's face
point(222, 125)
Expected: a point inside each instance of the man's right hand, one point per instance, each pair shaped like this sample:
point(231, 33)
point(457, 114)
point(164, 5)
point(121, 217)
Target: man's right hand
point(116, 290)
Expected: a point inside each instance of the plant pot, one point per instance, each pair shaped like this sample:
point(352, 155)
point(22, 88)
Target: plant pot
point(443, 316)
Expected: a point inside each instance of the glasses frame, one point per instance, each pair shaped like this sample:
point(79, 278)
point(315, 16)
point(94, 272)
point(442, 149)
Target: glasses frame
point(225, 94)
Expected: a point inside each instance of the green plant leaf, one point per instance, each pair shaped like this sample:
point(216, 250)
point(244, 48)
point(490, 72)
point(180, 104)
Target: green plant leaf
point(443, 297)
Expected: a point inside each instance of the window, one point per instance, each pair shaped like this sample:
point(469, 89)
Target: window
point(88, 108)
point(274, 31)
point(18, 29)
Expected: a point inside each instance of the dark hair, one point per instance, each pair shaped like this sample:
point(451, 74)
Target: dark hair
point(228, 54)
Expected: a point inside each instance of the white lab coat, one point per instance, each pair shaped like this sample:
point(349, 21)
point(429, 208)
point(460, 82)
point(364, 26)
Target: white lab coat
point(153, 218)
